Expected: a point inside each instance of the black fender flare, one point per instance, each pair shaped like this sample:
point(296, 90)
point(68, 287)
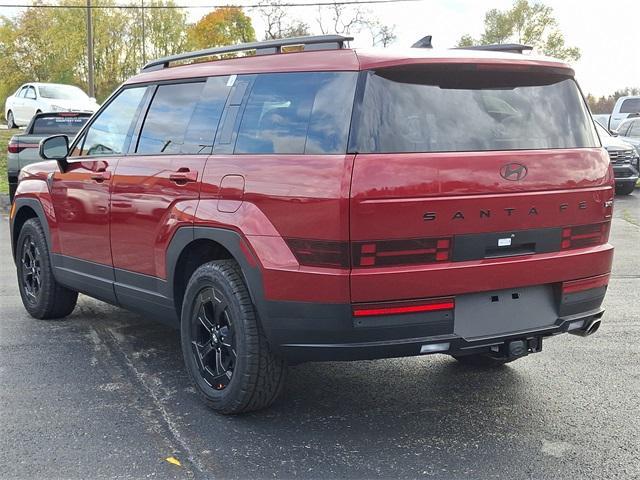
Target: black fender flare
point(230, 240)
point(36, 206)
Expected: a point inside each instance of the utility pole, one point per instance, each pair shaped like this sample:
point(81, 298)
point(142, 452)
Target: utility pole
point(144, 39)
point(92, 90)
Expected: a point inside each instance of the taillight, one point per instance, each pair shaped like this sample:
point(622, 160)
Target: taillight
point(386, 253)
point(320, 253)
point(16, 147)
point(584, 235)
point(585, 284)
point(399, 308)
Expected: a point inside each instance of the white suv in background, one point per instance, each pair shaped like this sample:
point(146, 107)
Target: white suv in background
point(32, 98)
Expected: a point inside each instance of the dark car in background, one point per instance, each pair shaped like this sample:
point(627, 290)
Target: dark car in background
point(624, 160)
point(23, 148)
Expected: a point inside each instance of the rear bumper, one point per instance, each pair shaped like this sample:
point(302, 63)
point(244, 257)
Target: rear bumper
point(319, 332)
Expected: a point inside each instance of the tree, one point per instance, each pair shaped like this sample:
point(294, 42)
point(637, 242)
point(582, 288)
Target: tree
point(49, 45)
point(526, 23)
point(344, 19)
point(605, 104)
point(277, 24)
point(223, 26)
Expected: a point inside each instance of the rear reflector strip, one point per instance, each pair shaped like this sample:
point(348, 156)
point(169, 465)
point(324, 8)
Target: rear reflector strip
point(366, 310)
point(585, 284)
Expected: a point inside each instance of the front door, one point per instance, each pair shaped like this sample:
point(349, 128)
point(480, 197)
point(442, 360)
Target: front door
point(155, 190)
point(81, 196)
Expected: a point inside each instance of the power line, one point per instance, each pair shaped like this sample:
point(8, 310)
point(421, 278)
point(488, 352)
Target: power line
point(255, 5)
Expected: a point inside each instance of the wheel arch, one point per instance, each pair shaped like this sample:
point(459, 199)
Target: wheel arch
point(194, 246)
point(25, 209)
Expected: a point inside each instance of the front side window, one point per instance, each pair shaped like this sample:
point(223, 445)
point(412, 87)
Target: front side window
point(110, 133)
point(436, 110)
point(31, 93)
point(298, 113)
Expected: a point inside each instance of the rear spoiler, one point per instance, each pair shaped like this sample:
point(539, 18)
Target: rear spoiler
point(499, 47)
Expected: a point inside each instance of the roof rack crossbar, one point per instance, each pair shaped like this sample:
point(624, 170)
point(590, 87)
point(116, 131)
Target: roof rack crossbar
point(499, 47)
point(318, 42)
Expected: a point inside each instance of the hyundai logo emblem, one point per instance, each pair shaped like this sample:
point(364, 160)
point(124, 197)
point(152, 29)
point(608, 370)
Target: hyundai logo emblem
point(513, 171)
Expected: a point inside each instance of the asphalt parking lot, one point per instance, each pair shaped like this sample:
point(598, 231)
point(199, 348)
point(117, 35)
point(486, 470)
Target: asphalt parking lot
point(103, 394)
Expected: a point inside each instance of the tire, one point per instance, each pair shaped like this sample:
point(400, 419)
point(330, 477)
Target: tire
point(482, 360)
point(626, 189)
point(42, 296)
point(225, 350)
point(11, 121)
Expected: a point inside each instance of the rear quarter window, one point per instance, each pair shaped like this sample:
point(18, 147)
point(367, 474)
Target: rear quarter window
point(298, 113)
point(431, 110)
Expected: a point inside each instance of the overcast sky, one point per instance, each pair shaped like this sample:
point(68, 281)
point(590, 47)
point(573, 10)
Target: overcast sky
point(608, 33)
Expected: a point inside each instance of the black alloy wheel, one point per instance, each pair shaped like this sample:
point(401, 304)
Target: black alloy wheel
point(213, 339)
point(31, 269)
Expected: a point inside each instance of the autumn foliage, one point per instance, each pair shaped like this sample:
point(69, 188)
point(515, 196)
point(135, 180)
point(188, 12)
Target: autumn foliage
point(223, 26)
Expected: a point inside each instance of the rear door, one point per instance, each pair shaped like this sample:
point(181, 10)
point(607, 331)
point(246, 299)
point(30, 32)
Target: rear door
point(466, 166)
point(155, 189)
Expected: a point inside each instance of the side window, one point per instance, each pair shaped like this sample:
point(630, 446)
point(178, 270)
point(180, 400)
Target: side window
point(169, 114)
point(110, 133)
point(183, 118)
point(630, 105)
point(298, 113)
point(30, 93)
point(635, 129)
point(22, 92)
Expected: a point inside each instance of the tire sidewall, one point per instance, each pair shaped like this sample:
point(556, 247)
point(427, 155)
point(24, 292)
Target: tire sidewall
point(207, 278)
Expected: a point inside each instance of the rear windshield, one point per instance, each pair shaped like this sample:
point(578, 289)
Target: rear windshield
point(430, 110)
point(68, 125)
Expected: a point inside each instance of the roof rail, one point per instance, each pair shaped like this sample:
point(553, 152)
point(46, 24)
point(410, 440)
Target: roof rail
point(499, 47)
point(318, 42)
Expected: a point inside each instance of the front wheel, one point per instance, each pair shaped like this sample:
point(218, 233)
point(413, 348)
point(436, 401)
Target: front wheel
point(225, 350)
point(42, 296)
point(11, 121)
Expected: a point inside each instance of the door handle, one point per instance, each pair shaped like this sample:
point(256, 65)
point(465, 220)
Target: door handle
point(183, 176)
point(101, 176)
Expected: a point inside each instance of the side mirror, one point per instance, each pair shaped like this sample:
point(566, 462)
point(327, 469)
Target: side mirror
point(55, 148)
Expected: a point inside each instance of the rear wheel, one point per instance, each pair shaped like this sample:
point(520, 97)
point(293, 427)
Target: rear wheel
point(626, 189)
point(225, 350)
point(482, 360)
point(42, 295)
point(10, 120)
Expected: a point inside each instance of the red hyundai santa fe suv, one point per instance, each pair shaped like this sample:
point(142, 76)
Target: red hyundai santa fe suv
point(297, 200)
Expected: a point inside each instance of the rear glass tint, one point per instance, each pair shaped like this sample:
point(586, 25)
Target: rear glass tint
point(298, 113)
point(431, 110)
point(67, 125)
